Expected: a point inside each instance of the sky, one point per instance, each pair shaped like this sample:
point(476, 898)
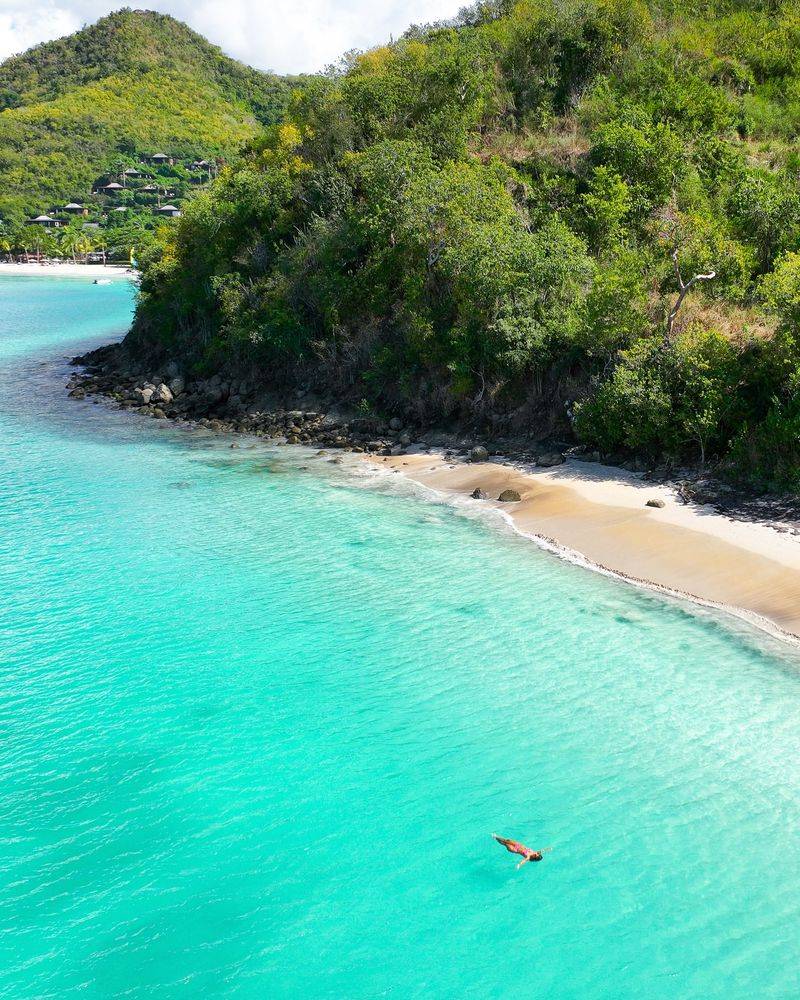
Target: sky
point(288, 36)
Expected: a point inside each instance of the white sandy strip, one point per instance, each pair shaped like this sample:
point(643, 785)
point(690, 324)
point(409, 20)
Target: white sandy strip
point(618, 488)
point(67, 270)
point(599, 513)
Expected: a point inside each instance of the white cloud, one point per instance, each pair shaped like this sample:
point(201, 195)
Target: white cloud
point(24, 25)
point(287, 36)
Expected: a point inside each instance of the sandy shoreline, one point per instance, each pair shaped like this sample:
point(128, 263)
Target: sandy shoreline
point(596, 512)
point(67, 270)
point(600, 513)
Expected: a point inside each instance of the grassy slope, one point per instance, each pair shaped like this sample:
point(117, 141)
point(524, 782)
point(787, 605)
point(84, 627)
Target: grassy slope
point(133, 81)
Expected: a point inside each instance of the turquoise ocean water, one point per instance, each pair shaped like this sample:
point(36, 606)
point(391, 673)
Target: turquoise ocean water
point(259, 717)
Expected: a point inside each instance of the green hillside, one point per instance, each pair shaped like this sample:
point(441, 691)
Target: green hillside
point(135, 82)
point(481, 223)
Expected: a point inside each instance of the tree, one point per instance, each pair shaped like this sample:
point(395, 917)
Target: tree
point(684, 288)
point(75, 240)
point(781, 291)
point(20, 239)
point(43, 242)
point(606, 205)
point(101, 244)
point(658, 401)
point(765, 207)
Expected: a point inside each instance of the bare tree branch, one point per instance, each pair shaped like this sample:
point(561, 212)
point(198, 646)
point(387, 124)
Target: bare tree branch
point(684, 289)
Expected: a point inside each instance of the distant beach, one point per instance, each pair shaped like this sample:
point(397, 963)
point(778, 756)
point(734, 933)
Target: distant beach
point(67, 270)
point(600, 513)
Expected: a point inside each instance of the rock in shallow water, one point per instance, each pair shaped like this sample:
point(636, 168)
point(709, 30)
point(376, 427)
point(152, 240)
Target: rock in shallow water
point(478, 494)
point(161, 394)
point(478, 454)
point(509, 496)
point(655, 503)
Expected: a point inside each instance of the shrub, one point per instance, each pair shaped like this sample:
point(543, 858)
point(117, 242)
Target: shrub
point(768, 454)
point(675, 400)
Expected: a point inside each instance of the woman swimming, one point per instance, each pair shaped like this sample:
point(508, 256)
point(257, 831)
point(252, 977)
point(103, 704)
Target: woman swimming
point(514, 847)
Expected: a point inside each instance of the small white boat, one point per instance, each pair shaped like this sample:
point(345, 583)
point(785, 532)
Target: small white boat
point(102, 281)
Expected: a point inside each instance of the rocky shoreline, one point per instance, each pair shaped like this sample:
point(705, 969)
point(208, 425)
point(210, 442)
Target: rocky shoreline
point(234, 405)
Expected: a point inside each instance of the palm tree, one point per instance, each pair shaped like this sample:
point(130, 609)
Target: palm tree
point(36, 241)
point(101, 244)
point(44, 242)
point(74, 240)
point(20, 240)
point(50, 244)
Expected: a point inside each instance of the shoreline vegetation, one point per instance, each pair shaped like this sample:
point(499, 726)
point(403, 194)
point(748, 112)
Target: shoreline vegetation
point(696, 540)
point(536, 232)
point(570, 220)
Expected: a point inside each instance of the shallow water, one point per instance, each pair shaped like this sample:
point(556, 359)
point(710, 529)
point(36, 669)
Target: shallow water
point(258, 721)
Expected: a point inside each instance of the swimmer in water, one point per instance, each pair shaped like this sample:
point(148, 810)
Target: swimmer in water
point(514, 847)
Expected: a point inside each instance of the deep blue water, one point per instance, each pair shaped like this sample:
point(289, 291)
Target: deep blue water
point(259, 716)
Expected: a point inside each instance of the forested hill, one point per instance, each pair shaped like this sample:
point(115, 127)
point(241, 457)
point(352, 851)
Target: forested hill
point(488, 222)
point(134, 82)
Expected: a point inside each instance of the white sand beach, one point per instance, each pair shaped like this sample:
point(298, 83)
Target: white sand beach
point(601, 513)
point(67, 270)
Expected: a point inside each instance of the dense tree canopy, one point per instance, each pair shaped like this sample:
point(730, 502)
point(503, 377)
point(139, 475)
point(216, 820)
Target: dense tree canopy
point(478, 223)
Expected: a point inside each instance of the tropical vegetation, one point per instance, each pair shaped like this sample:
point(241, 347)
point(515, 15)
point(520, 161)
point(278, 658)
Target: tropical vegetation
point(577, 218)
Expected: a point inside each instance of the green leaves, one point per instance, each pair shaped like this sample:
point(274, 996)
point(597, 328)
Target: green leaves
point(765, 208)
point(781, 292)
point(649, 158)
point(482, 216)
point(606, 207)
point(668, 401)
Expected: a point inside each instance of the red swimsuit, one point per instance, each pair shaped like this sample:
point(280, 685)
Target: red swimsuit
point(514, 847)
